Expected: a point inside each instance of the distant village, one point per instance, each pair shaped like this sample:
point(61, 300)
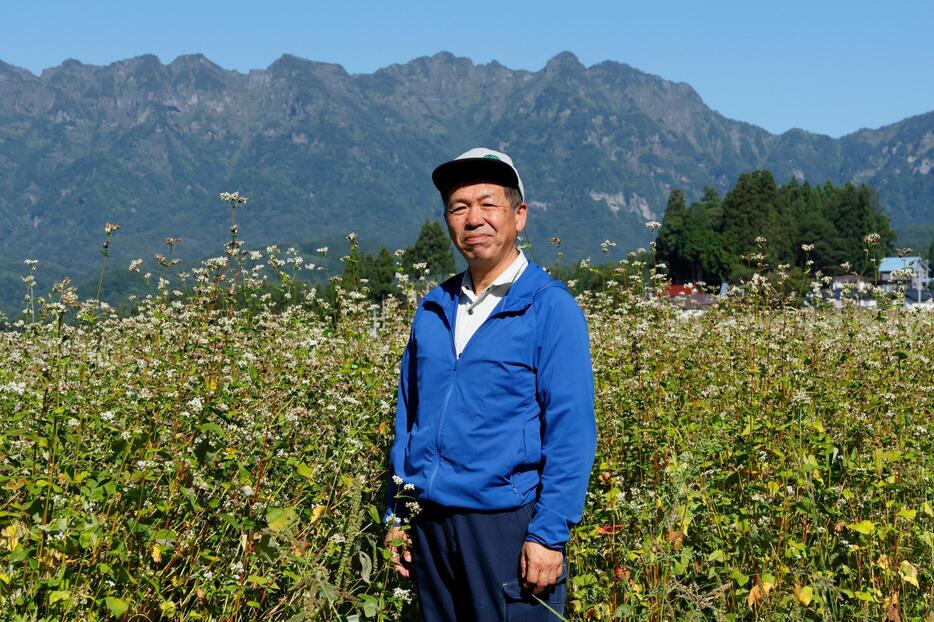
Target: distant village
point(906, 278)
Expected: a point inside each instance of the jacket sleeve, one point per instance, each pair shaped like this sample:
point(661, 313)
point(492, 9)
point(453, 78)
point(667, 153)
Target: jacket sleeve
point(565, 394)
point(406, 407)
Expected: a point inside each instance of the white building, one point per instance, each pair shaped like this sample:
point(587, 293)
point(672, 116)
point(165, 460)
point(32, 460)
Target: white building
point(910, 272)
point(850, 281)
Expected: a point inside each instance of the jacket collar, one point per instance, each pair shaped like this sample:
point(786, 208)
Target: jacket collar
point(519, 296)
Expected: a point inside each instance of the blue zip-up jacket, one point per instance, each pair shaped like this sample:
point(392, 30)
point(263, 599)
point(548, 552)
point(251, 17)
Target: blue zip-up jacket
point(509, 422)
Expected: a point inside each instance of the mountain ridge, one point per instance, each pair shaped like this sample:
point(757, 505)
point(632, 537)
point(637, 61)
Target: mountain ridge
point(202, 59)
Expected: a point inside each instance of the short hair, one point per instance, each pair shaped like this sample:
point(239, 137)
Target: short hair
point(513, 197)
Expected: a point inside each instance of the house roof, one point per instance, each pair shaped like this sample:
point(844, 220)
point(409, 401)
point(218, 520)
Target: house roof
point(688, 289)
point(891, 264)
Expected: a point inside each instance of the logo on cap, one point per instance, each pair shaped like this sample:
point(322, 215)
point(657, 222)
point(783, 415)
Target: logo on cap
point(490, 156)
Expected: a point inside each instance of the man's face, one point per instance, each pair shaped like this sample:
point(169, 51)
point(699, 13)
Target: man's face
point(482, 224)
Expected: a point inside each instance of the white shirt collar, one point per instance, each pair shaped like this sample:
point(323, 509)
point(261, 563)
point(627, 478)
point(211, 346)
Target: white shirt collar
point(507, 277)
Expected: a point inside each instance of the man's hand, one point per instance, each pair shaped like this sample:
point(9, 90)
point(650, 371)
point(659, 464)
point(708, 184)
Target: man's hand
point(539, 567)
point(401, 555)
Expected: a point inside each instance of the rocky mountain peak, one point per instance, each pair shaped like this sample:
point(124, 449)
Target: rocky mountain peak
point(192, 60)
point(564, 62)
point(12, 71)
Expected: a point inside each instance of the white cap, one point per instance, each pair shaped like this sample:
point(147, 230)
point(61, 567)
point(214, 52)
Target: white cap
point(478, 164)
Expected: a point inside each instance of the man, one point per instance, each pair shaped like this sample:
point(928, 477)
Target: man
point(495, 431)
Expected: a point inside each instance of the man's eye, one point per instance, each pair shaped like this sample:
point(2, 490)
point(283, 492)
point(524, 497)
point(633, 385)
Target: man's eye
point(457, 210)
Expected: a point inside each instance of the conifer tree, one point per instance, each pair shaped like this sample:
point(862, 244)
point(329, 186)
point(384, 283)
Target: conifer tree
point(380, 272)
point(750, 211)
point(670, 243)
point(433, 248)
point(703, 244)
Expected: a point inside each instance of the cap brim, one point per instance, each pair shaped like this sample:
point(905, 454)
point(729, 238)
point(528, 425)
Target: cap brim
point(456, 173)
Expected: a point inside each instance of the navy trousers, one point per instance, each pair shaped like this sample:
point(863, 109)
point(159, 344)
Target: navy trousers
point(466, 566)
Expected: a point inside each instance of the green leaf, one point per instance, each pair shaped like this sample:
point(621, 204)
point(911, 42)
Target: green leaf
point(80, 477)
point(266, 549)
point(370, 605)
point(584, 580)
point(908, 514)
point(213, 427)
point(864, 527)
point(908, 572)
point(304, 470)
point(680, 566)
point(165, 537)
point(768, 581)
point(740, 578)
point(279, 519)
point(366, 567)
point(258, 580)
point(58, 595)
point(88, 539)
point(804, 594)
point(116, 606)
point(230, 520)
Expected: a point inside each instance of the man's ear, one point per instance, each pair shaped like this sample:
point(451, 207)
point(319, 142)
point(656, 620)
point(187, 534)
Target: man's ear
point(521, 213)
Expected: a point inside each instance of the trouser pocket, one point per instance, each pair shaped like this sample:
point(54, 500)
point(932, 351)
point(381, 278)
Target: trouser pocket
point(522, 606)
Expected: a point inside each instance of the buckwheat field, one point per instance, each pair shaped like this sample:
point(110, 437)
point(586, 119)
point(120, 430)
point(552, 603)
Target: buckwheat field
point(218, 453)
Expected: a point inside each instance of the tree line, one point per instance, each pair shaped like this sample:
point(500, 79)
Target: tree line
point(758, 222)
point(712, 240)
point(431, 256)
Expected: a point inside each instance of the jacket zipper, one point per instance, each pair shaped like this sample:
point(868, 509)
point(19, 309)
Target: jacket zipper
point(444, 408)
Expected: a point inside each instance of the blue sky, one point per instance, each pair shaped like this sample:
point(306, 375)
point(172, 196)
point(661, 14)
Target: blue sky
point(826, 66)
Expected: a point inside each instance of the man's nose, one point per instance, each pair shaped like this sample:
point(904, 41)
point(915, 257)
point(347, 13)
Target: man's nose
point(474, 216)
